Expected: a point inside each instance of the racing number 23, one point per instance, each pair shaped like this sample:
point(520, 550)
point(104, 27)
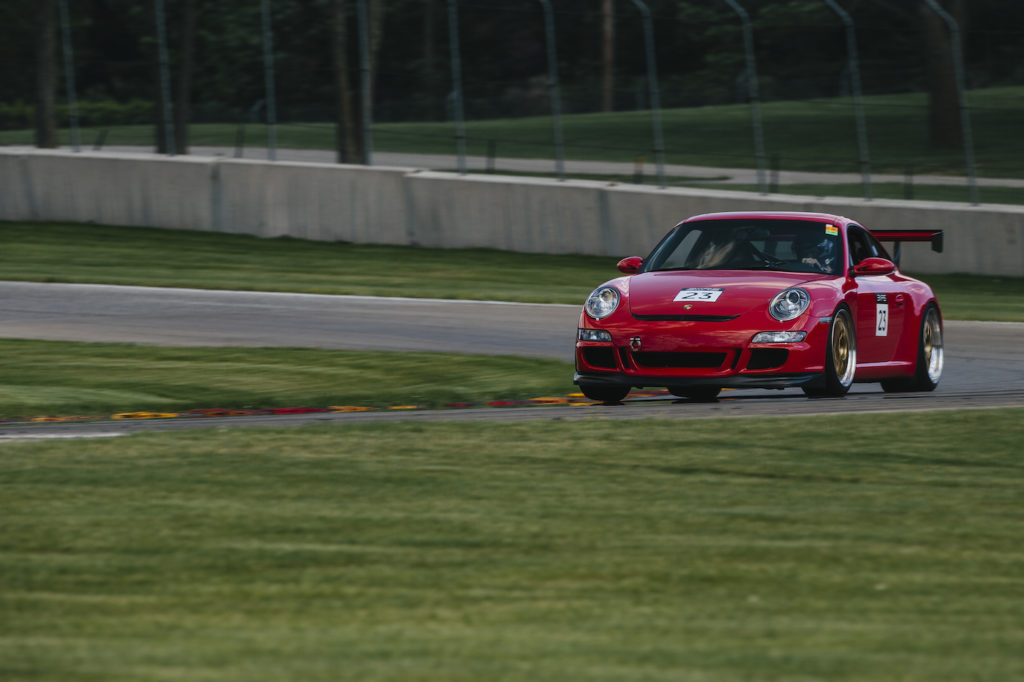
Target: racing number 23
point(698, 294)
point(881, 319)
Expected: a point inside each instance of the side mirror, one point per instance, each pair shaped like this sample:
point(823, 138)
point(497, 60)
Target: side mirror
point(631, 265)
point(874, 266)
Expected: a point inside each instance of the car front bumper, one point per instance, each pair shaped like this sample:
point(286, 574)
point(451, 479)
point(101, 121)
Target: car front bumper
point(693, 354)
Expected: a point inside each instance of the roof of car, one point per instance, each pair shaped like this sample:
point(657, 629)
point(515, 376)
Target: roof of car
point(772, 215)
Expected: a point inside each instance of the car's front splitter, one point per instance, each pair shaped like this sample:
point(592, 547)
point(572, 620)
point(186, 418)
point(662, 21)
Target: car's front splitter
point(771, 381)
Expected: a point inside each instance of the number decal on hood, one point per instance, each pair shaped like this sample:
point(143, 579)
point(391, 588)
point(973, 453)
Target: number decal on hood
point(698, 294)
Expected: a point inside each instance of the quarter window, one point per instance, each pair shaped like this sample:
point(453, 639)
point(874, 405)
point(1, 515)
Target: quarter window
point(863, 245)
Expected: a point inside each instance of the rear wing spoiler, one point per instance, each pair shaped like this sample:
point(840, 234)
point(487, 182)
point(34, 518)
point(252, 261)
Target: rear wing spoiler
point(900, 236)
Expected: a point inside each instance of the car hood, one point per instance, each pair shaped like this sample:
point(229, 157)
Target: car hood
point(655, 293)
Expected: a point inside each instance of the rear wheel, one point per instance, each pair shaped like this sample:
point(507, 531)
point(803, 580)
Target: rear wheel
point(700, 394)
point(930, 356)
point(604, 394)
point(840, 357)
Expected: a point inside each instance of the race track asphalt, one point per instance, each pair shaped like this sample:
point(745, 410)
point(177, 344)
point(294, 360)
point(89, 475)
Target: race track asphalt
point(984, 360)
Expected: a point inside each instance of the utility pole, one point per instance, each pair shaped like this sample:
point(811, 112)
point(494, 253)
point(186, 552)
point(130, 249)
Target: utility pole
point(652, 85)
point(858, 102)
point(755, 99)
point(460, 125)
point(961, 95)
point(268, 79)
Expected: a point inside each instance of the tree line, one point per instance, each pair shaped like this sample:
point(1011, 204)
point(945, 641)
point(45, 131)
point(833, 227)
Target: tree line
point(216, 59)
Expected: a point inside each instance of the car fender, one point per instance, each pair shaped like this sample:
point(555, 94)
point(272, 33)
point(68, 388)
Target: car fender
point(826, 296)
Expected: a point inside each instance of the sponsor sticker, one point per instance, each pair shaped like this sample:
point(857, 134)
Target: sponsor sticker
point(881, 315)
point(698, 294)
point(831, 229)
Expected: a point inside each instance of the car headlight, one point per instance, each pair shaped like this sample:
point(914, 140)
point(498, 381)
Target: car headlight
point(602, 302)
point(789, 304)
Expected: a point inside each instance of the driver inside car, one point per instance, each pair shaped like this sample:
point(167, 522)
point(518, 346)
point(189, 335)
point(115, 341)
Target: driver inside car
point(815, 250)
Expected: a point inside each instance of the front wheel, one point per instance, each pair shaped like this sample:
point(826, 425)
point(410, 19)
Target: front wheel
point(840, 357)
point(930, 356)
point(604, 394)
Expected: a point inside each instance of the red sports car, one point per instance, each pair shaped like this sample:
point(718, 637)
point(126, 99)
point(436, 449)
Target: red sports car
point(762, 300)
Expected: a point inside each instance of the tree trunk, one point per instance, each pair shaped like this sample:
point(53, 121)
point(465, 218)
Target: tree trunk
point(607, 55)
point(349, 148)
point(160, 120)
point(376, 22)
point(46, 74)
point(183, 96)
point(944, 123)
point(428, 79)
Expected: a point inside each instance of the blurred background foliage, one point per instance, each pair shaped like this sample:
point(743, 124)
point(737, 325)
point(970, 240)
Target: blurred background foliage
point(216, 57)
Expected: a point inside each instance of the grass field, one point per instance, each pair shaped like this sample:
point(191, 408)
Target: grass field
point(61, 379)
point(815, 135)
point(858, 548)
point(117, 255)
point(48, 252)
point(880, 548)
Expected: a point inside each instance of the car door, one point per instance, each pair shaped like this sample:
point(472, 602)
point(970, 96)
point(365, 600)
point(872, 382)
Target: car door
point(881, 304)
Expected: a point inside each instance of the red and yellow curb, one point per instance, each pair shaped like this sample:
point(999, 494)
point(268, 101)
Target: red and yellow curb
point(570, 400)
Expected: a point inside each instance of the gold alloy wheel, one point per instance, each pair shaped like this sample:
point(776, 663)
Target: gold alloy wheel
point(844, 349)
point(931, 345)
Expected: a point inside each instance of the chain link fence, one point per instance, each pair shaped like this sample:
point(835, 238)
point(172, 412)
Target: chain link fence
point(768, 85)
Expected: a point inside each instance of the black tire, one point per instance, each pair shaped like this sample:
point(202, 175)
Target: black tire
point(699, 394)
point(930, 356)
point(840, 357)
point(604, 394)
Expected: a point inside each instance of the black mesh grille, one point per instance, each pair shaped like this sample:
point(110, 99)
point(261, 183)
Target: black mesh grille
point(767, 358)
point(676, 359)
point(600, 356)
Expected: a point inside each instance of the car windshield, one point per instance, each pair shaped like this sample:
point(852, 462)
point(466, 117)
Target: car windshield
point(751, 244)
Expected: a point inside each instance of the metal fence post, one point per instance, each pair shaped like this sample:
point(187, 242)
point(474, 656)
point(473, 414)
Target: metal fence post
point(268, 78)
point(556, 97)
point(961, 94)
point(755, 100)
point(165, 76)
point(460, 126)
point(364, 82)
point(652, 84)
point(69, 74)
point(858, 102)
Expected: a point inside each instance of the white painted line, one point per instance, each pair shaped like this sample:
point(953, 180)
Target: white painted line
point(7, 438)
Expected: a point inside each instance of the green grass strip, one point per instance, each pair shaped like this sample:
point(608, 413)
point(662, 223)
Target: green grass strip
point(60, 379)
point(809, 135)
point(860, 548)
point(66, 252)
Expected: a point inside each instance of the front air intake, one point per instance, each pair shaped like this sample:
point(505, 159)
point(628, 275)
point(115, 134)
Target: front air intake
point(600, 356)
point(683, 360)
point(767, 358)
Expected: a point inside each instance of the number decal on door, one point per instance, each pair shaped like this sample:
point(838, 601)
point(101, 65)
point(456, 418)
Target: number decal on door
point(881, 315)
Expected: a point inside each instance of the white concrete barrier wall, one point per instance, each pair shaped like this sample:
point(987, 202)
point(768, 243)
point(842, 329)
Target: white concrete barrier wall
point(119, 190)
point(310, 201)
point(405, 206)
